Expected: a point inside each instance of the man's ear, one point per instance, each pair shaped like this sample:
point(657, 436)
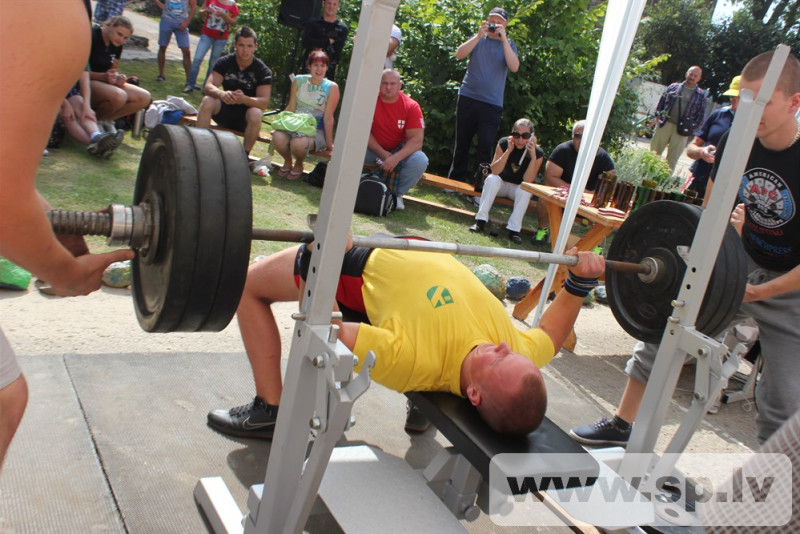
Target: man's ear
point(473, 395)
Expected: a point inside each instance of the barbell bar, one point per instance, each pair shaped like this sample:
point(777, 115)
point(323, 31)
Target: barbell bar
point(132, 226)
point(191, 226)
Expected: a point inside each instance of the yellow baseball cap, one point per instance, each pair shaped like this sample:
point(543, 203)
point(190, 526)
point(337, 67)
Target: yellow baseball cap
point(733, 90)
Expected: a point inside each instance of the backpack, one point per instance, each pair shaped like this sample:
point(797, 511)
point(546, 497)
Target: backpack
point(317, 176)
point(374, 196)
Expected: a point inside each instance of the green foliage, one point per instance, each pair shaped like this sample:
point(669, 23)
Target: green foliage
point(734, 42)
point(557, 42)
point(635, 165)
point(679, 28)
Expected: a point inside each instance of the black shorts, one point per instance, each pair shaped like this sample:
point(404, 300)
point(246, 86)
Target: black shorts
point(348, 291)
point(232, 117)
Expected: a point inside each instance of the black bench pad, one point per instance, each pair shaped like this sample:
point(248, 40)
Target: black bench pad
point(463, 426)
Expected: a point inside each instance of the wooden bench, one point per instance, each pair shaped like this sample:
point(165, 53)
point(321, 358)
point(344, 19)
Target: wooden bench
point(464, 188)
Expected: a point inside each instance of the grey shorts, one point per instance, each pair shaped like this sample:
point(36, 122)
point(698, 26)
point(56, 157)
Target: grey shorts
point(317, 144)
point(9, 367)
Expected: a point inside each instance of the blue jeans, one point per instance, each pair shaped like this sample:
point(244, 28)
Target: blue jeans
point(409, 171)
point(217, 47)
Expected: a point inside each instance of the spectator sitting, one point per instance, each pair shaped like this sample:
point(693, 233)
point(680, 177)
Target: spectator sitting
point(219, 15)
point(314, 95)
point(113, 96)
point(327, 33)
point(81, 123)
point(559, 169)
point(511, 166)
point(175, 18)
point(395, 140)
point(704, 145)
point(238, 90)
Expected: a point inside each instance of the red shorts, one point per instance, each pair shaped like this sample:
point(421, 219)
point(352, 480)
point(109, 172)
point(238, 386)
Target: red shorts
point(348, 291)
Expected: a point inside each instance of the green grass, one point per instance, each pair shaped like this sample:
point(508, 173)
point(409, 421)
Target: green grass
point(72, 179)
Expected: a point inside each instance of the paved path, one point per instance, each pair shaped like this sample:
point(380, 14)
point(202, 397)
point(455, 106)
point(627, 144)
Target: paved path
point(144, 26)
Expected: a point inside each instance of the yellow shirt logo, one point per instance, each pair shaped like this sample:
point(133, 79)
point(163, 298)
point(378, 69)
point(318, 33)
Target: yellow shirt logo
point(439, 296)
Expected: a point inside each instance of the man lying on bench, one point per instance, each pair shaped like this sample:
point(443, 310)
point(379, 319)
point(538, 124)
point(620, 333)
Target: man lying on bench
point(430, 321)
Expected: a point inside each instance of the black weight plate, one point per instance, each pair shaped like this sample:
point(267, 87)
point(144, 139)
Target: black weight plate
point(162, 277)
point(656, 230)
point(211, 231)
point(238, 205)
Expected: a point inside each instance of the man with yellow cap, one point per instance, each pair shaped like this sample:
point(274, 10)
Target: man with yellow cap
point(704, 145)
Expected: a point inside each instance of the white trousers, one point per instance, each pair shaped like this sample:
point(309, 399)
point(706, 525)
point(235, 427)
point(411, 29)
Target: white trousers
point(495, 186)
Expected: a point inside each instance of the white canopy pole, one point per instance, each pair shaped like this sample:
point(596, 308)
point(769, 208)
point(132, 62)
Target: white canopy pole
point(621, 22)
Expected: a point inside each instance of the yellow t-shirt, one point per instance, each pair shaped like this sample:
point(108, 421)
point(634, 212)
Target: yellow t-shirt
point(427, 312)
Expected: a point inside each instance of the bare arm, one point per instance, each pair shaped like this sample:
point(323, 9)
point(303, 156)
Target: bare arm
point(559, 318)
point(512, 60)
point(697, 150)
point(26, 237)
point(533, 166)
point(500, 158)
point(465, 48)
point(261, 100)
point(553, 173)
point(414, 140)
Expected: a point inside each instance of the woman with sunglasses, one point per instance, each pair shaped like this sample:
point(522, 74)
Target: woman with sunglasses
point(517, 159)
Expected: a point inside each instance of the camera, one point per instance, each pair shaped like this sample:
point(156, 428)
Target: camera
point(492, 28)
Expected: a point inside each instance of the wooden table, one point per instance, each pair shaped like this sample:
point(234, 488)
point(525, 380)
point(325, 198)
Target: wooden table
point(601, 227)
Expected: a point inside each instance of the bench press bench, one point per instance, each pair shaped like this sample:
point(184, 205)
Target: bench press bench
point(459, 475)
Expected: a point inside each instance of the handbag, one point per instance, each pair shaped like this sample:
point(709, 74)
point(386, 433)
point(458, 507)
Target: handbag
point(374, 196)
point(484, 170)
point(684, 125)
point(301, 123)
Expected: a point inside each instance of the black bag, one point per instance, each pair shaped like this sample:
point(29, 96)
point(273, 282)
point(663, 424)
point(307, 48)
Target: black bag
point(484, 170)
point(374, 196)
point(317, 176)
point(684, 125)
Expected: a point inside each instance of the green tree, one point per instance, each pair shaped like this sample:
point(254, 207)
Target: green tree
point(557, 41)
point(734, 42)
point(679, 28)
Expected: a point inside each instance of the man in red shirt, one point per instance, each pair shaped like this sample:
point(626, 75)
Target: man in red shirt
point(395, 140)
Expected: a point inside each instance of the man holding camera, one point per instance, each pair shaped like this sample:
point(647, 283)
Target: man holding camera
point(480, 98)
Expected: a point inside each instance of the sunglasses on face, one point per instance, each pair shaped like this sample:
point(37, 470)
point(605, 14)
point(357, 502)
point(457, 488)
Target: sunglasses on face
point(577, 135)
point(517, 135)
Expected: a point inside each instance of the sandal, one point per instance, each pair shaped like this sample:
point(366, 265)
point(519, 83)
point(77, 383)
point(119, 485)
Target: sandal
point(188, 89)
point(284, 171)
point(44, 288)
point(294, 175)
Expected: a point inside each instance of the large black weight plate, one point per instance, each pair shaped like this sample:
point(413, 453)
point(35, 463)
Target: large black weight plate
point(238, 232)
point(176, 285)
point(656, 230)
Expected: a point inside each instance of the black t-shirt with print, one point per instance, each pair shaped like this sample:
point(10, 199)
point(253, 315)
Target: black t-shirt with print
point(770, 189)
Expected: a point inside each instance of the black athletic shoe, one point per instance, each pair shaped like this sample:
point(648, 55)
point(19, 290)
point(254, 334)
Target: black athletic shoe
point(415, 420)
point(478, 226)
point(514, 237)
point(253, 420)
point(603, 432)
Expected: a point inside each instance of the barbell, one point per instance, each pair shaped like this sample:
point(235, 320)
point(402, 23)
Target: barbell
point(191, 227)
